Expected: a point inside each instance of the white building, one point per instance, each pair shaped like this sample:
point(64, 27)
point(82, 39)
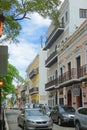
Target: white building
point(71, 17)
point(42, 77)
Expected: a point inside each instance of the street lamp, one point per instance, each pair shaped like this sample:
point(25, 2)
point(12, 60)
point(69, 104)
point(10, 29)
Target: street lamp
point(2, 18)
point(1, 84)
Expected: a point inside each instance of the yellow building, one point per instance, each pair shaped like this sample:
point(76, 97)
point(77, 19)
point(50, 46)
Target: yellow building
point(34, 80)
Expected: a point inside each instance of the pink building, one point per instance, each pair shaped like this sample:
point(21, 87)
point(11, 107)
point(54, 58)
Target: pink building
point(72, 68)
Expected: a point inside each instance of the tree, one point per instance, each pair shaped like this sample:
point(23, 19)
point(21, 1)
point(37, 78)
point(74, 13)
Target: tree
point(16, 10)
point(8, 86)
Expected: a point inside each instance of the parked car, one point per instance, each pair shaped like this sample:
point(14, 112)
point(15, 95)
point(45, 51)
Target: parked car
point(46, 109)
point(34, 119)
point(29, 105)
point(80, 119)
point(62, 114)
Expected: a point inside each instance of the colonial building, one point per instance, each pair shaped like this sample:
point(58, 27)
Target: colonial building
point(72, 68)
point(36, 76)
point(33, 75)
point(65, 56)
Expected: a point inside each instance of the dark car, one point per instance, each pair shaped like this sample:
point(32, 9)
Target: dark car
point(46, 109)
point(80, 119)
point(34, 119)
point(62, 114)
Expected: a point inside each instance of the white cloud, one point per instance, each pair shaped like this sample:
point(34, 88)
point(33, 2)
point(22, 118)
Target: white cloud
point(39, 21)
point(22, 54)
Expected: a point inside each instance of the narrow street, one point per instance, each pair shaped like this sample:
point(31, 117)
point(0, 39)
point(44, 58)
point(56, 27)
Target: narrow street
point(11, 116)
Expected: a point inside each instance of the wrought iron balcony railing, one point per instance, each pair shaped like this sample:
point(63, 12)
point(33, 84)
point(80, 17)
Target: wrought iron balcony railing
point(34, 90)
point(51, 59)
point(33, 73)
point(54, 35)
point(67, 78)
point(51, 84)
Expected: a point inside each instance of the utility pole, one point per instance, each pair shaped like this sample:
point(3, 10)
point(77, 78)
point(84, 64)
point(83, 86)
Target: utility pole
point(1, 116)
point(41, 41)
point(3, 68)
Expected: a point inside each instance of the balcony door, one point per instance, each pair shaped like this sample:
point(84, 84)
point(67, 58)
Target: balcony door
point(69, 70)
point(61, 75)
point(79, 99)
point(69, 97)
point(78, 60)
point(56, 74)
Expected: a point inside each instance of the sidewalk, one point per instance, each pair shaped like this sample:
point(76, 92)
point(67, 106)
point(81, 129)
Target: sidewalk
point(11, 119)
point(6, 123)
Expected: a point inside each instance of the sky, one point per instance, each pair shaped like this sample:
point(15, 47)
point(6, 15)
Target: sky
point(23, 53)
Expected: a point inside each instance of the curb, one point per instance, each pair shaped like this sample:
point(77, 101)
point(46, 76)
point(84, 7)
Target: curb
point(6, 123)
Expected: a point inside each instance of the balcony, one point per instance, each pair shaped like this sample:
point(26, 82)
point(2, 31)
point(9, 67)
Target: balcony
point(33, 90)
point(51, 85)
point(51, 59)
point(23, 97)
point(68, 78)
point(75, 75)
point(82, 72)
point(33, 73)
point(54, 36)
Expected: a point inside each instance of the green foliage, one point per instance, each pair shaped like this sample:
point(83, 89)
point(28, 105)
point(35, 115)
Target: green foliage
point(16, 10)
point(8, 87)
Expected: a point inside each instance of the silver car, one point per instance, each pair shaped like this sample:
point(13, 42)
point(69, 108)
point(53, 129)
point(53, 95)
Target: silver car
point(80, 119)
point(31, 119)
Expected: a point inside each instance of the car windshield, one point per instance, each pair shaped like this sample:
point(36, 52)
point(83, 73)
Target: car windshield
point(48, 109)
point(34, 113)
point(69, 109)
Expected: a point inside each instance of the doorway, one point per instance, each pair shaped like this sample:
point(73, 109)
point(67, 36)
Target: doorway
point(79, 99)
point(69, 98)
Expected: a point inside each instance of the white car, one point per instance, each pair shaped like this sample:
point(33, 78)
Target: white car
point(80, 118)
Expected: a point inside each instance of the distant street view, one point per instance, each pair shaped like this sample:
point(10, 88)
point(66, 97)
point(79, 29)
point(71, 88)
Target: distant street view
point(43, 64)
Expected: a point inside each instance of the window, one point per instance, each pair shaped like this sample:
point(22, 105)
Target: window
point(53, 77)
point(83, 13)
point(56, 48)
point(61, 71)
point(83, 111)
point(62, 24)
point(61, 101)
point(56, 74)
point(66, 16)
point(50, 78)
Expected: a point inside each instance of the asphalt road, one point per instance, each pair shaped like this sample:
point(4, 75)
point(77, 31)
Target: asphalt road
point(11, 117)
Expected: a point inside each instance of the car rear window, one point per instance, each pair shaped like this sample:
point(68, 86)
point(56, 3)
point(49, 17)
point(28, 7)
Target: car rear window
point(69, 109)
point(83, 111)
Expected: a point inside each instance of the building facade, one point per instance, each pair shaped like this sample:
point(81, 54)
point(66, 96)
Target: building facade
point(33, 77)
point(59, 59)
point(36, 76)
point(72, 68)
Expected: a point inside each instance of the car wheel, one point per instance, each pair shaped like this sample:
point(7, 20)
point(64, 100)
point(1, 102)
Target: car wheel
point(59, 121)
point(77, 126)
